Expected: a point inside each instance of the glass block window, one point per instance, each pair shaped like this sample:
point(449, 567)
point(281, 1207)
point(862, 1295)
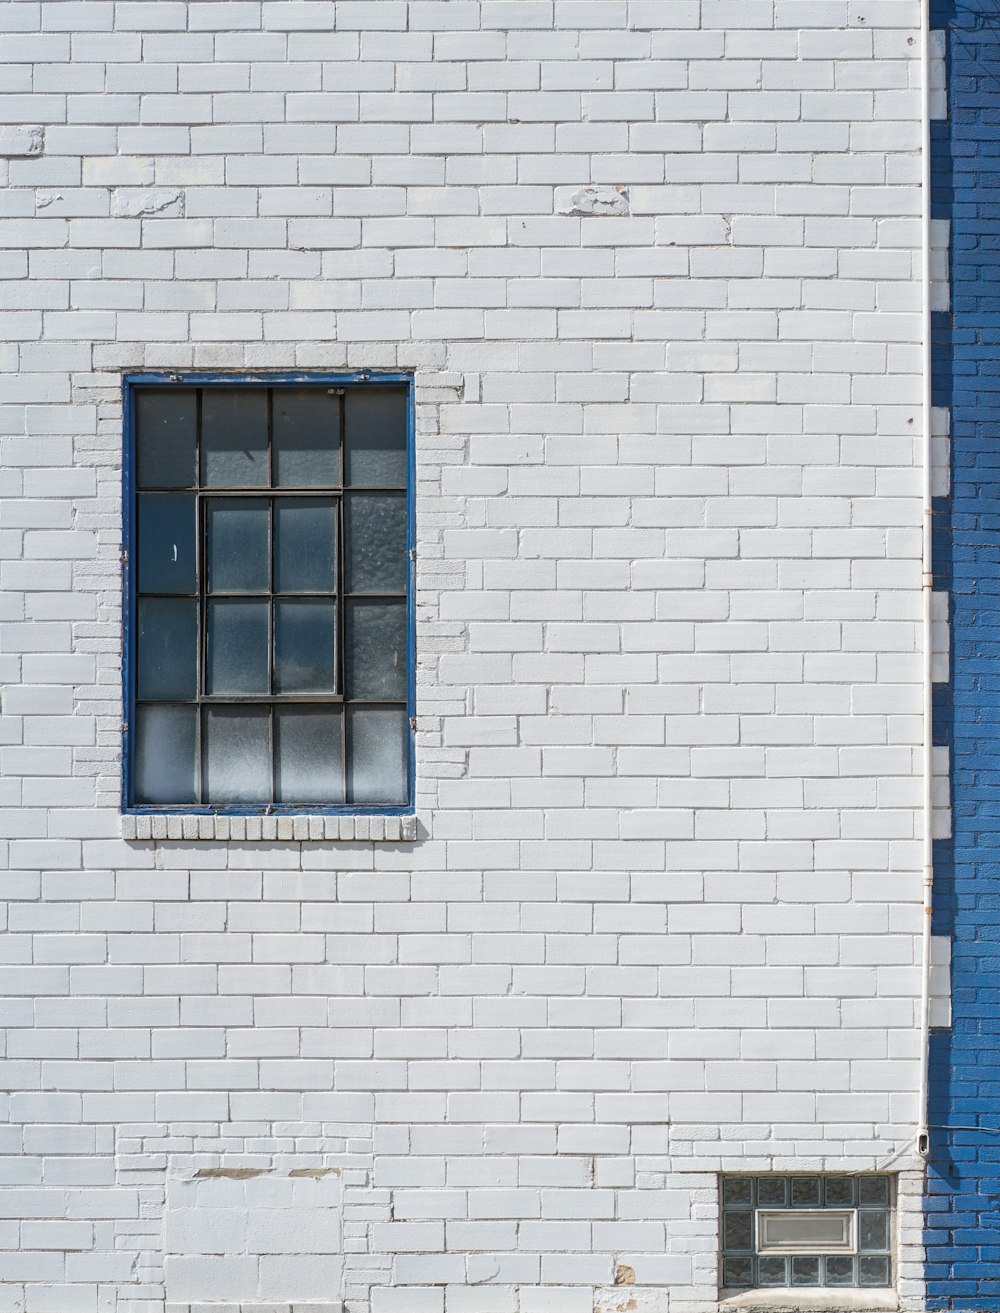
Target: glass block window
point(806, 1231)
point(268, 577)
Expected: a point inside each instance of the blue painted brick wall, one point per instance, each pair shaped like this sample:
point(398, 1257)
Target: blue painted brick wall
point(963, 1191)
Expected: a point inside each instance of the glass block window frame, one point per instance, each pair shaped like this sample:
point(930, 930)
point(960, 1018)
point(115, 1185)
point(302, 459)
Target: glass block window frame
point(268, 453)
point(871, 1197)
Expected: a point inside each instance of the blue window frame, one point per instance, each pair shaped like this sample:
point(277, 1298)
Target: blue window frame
point(268, 593)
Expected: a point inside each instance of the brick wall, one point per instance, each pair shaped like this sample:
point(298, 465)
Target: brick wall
point(653, 265)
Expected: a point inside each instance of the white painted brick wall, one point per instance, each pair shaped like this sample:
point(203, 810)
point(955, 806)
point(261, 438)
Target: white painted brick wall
point(653, 262)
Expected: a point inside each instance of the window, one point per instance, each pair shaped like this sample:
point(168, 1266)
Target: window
point(806, 1231)
point(268, 661)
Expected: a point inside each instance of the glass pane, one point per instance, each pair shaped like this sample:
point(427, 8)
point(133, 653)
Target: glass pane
point(304, 647)
point(805, 1191)
point(237, 544)
point(167, 633)
point(305, 545)
point(839, 1191)
point(376, 649)
point(376, 543)
point(770, 1191)
point(805, 1271)
point(237, 647)
point(737, 1191)
point(839, 1271)
point(873, 1189)
point(874, 1270)
point(771, 1272)
point(737, 1273)
point(233, 437)
point(237, 754)
point(166, 542)
point(873, 1230)
point(306, 437)
point(737, 1231)
point(308, 758)
point(376, 754)
point(165, 754)
point(166, 420)
point(375, 447)
point(807, 1230)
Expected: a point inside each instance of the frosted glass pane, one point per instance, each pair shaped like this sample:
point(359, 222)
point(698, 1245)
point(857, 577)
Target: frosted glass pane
point(166, 420)
point(237, 647)
point(304, 647)
point(237, 544)
point(166, 542)
point(375, 645)
point(167, 632)
point(233, 437)
point(237, 754)
point(376, 754)
point(306, 438)
point(801, 1231)
point(376, 542)
point(165, 754)
point(308, 754)
point(305, 545)
point(375, 447)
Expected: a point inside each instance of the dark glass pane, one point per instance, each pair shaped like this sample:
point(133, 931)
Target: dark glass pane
point(233, 437)
point(165, 754)
point(737, 1191)
point(873, 1189)
point(805, 1191)
point(304, 647)
point(376, 754)
point(737, 1231)
point(167, 633)
point(306, 438)
point(770, 1191)
point(737, 1273)
point(376, 542)
point(237, 754)
point(376, 649)
point(308, 754)
point(237, 544)
point(839, 1191)
point(166, 542)
point(772, 1272)
point(237, 647)
point(874, 1270)
point(839, 1271)
point(805, 1271)
point(375, 447)
point(166, 421)
point(873, 1230)
point(305, 545)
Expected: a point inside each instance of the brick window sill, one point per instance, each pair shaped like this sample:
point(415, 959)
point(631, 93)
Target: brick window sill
point(811, 1299)
point(287, 829)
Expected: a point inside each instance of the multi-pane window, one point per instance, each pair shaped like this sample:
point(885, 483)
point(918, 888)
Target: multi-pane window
point(806, 1231)
point(269, 596)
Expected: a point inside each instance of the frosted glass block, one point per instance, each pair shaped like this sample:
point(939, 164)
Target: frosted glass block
point(873, 1270)
point(304, 647)
point(165, 755)
point(737, 1230)
point(234, 437)
point(771, 1192)
point(838, 1191)
point(238, 553)
point(237, 647)
point(308, 754)
point(306, 438)
point(805, 1191)
point(166, 559)
point(873, 1190)
point(376, 542)
point(805, 1271)
point(237, 754)
point(166, 421)
point(305, 545)
point(167, 634)
point(375, 446)
point(873, 1230)
point(772, 1272)
point(375, 643)
point(839, 1271)
point(377, 755)
point(737, 1191)
point(737, 1273)
point(821, 1231)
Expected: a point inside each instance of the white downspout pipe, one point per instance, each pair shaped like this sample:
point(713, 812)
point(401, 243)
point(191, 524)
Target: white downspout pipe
point(927, 581)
